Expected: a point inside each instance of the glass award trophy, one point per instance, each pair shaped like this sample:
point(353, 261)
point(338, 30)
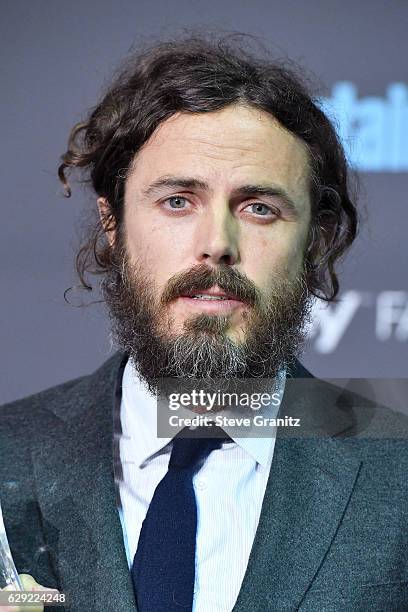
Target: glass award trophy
point(8, 573)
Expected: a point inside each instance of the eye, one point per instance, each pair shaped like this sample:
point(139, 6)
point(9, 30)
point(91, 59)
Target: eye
point(262, 210)
point(176, 202)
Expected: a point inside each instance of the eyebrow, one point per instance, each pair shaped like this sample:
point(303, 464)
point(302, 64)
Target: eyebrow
point(181, 182)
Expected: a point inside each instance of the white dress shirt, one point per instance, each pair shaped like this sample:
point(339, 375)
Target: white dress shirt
point(229, 490)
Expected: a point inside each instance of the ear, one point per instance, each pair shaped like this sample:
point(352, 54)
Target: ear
point(105, 214)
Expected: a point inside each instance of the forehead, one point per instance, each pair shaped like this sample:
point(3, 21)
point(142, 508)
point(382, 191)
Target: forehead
point(233, 145)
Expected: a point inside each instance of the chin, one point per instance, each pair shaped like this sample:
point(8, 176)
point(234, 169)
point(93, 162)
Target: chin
point(236, 336)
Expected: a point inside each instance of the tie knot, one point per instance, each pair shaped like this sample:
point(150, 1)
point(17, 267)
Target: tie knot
point(192, 447)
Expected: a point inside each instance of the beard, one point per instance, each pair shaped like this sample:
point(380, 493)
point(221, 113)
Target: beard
point(273, 325)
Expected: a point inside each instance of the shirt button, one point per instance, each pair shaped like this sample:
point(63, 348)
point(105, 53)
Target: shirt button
point(201, 485)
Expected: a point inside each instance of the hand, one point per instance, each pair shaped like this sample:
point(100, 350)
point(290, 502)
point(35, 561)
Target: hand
point(29, 584)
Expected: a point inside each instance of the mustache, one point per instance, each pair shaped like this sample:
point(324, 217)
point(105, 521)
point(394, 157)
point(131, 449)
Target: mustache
point(202, 277)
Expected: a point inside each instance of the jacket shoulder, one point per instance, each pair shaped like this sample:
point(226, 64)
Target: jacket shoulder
point(62, 399)
point(40, 399)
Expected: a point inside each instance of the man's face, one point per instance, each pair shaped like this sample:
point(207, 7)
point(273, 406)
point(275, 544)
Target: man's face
point(216, 204)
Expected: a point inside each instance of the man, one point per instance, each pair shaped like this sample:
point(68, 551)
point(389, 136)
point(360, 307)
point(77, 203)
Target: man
point(223, 198)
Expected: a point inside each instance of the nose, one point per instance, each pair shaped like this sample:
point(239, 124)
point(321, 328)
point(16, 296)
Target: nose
point(216, 238)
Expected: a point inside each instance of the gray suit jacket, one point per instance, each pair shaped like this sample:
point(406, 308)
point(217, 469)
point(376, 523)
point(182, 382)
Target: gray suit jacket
point(333, 531)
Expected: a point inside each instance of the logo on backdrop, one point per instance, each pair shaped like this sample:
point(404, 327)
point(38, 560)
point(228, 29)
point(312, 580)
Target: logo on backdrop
point(374, 130)
point(331, 322)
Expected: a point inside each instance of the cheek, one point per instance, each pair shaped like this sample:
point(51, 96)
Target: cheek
point(268, 256)
point(156, 250)
point(142, 240)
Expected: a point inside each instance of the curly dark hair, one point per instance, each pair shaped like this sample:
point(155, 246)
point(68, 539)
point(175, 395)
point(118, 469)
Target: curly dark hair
point(195, 74)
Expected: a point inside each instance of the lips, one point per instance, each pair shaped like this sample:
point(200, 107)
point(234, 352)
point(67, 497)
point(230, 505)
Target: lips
point(213, 294)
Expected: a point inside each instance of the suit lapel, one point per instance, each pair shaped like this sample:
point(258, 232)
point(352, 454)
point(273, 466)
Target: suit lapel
point(76, 492)
point(309, 486)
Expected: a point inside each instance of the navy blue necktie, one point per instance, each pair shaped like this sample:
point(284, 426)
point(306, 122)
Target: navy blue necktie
point(163, 568)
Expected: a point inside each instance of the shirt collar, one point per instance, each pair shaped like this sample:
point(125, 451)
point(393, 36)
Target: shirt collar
point(139, 418)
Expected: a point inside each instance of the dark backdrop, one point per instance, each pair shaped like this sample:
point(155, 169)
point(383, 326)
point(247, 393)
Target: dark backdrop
point(56, 57)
